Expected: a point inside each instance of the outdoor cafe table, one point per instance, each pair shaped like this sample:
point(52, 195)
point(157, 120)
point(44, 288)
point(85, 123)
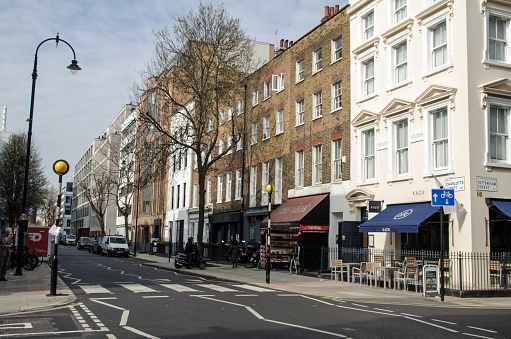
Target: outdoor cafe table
point(386, 270)
point(348, 266)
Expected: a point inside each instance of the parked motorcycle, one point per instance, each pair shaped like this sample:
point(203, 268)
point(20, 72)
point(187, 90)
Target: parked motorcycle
point(255, 258)
point(197, 260)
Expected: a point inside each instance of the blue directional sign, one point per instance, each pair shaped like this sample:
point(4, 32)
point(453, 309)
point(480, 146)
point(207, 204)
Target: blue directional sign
point(441, 197)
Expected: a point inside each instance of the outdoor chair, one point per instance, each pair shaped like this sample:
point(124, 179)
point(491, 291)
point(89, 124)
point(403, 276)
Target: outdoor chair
point(495, 272)
point(361, 272)
point(447, 271)
point(336, 267)
point(409, 274)
point(371, 273)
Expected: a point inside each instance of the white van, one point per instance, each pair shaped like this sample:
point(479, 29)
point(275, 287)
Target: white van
point(115, 245)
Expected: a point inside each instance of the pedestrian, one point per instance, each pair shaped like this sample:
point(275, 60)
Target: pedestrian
point(5, 252)
point(234, 251)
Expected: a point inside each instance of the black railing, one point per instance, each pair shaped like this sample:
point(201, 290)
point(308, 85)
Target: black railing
point(463, 271)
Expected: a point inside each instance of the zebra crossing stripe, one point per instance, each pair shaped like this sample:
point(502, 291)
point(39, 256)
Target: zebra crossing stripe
point(179, 288)
point(137, 288)
point(254, 288)
point(94, 289)
point(218, 288)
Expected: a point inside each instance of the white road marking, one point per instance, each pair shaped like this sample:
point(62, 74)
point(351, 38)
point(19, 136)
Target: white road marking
point(246, 295)
point(137, 288)
point(383, 310)
point(412, 315)
point(111, 336)
point(154, 296)
point(254, 288)
point(360, 305)
point(482, 329)
point(218, 288)
point(443, 321)
point(124, 318)
point(434, 325)
point(134, 330)
point(17, 326)
point(179, 288)
point(94, 289)
point(477, 336)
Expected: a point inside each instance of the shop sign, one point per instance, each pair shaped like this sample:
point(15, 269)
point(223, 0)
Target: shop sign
point(430, 277)
point(486, 184)
point(374, 206)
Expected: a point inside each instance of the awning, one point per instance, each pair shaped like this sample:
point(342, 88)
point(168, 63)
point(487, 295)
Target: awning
point(311, 210)
point(503, 206)
point(400, 218)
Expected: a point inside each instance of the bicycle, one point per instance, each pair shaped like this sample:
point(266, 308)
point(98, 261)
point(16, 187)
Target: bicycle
point(293, 263)
point(30, 260)
point(38, 254)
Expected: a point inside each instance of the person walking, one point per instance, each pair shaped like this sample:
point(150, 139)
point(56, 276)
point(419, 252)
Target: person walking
point(5, 252)
point(234, 250)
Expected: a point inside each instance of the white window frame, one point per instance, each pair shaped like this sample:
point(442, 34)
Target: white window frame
point(230, 111)
point(267, 90)
point(397, 12)
point(500, 103)
point(253, 186)
point(266, 127)
point(336, 96)
point(279, 122)
point(239, 144)
point(278, 181)
point(429, 163)
point(367, 26)
point(219, 188)
point(221, 117)
point(317, 60)
point(300, 71)
point(229, 143)
point(317, 105)
point(503, 15)
point(253, 133)
point(237, 191)
point(393, 169)
point(336, 48)
point(362, 175)
point(428, 57)
point(394, 65)
point(220, 145)
point(317, 164)
point(208, 192)
point(195, 197)
point(255, 97)
point(337, 158)
point(299, 168)
point(300, 112)
point(241, 106)
point(210, 124)
point(365, 77)
point(265, 180)
point(277, 82)
point(228, 187)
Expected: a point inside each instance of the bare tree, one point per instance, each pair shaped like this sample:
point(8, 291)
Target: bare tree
point(48, 205)
point(198, 69)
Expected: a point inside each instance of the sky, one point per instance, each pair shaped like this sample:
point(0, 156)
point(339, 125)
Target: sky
point(113, 41)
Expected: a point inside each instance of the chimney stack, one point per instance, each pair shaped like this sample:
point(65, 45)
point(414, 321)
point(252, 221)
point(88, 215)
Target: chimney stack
point(286, 44)
point(336, 8)
point(327, 11)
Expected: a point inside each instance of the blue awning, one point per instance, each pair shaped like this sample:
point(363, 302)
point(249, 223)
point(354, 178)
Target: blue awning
point(503, 206)
point(400, 218)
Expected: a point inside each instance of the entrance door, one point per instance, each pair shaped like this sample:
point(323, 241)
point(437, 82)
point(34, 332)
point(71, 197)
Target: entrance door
point(180, 225)
point(144, 246)
point(349, 238)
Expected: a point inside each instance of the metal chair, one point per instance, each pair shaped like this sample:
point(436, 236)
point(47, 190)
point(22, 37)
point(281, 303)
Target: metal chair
point(410, 274)
point(335, 267)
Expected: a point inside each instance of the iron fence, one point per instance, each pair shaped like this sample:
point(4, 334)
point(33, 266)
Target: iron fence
point(463, 271)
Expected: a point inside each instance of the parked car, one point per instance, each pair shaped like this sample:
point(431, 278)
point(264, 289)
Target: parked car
point(69, 239)
point(115, 245)
point(97, 246)
point(83, 243)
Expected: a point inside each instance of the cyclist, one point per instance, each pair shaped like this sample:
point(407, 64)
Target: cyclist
point(5, 252)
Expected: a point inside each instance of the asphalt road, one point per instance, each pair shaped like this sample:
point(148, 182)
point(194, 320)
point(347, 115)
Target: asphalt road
point(122, 298)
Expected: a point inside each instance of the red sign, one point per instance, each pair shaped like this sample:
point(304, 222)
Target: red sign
point(313, 228)
point(38, 239)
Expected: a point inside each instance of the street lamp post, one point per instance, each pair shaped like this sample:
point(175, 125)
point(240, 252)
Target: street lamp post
point(22, 229)
point(269, 189)
point(60, 167)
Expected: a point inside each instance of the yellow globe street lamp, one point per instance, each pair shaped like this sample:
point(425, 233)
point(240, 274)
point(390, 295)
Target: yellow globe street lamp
point(60, 167)
point(269, 189)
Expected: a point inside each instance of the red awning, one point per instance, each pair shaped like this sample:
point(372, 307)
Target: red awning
point(295, 209)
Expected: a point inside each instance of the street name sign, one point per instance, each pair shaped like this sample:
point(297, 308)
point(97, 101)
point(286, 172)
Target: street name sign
point(442, 197)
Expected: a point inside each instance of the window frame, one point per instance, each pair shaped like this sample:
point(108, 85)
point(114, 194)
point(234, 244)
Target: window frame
point(393, 63)
point(253, 186)
point(267, 90)
point(253, 133)
point(266, 127)
point(277, 82)
point(395, 11)
point(279, 121)
point(336, 95)
point(362, 174)
point(500, 103)
point(300, 71)
point(265, 180)
point(335, 49)
point(317, 60)
point(428, 59)
point(371, 58)
point(503, 15)
point(317, 105)
point(277, 199)
point(337, 158)
point(230, 112)
point(317, 164)
point(367, 28)
point(299, 168)
point(237, 189)
point(219, 189)
point(255, 97)
point(228, 187)
point(393, 123)
point(208, 192)
point(241, 106)
point(429, 163)
point(300, 112)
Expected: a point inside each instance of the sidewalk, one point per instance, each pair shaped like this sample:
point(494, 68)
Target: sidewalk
point(31, 290)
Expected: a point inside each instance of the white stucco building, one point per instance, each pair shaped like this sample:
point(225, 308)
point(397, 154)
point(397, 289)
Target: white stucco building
point(431, 98)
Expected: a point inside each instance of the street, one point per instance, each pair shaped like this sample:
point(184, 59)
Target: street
point(123, 298)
